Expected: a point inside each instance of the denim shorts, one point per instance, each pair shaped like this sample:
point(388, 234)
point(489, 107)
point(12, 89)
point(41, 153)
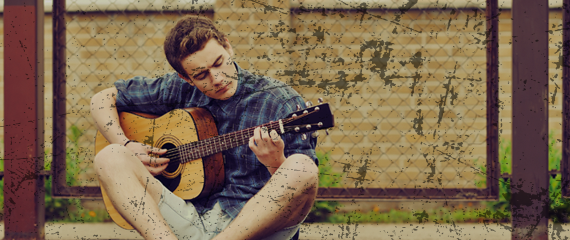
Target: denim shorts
point(186, 223)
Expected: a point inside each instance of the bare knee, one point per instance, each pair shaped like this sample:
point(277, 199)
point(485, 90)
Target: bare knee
point(301, 175)
point(303, 172)
point(110, 159)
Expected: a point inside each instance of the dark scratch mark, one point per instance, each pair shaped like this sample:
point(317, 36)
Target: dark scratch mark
point(556, 87)
point(362, 174)
point(418, 121)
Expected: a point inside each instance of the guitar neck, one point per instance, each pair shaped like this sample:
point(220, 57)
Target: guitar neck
point(209, 146)
point(302, 121)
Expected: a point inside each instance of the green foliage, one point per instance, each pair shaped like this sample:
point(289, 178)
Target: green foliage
point(71, 209)
point(322, 210)
point(493, 211)
point(439, 215)
point(61, 209)
point(559, 206)
point(503, 206)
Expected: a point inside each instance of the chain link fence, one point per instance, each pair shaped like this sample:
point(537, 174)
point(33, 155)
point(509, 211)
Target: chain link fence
point(406, 81)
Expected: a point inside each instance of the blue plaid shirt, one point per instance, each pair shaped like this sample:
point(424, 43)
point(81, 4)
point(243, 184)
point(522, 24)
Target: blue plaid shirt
point(257, 100)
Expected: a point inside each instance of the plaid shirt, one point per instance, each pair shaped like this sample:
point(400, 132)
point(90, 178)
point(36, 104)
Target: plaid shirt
point(257, 100)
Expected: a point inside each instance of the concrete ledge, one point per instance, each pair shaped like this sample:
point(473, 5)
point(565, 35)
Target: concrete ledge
point(325, 231)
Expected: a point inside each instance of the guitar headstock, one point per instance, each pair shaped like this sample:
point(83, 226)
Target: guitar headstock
point(313, 118)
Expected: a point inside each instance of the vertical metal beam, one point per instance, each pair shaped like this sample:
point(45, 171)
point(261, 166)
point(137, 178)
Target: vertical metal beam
point(60, 188)
point(493, 167)
point(564, 166)
point(59, 183)
point(24, 191)
point(529, 183)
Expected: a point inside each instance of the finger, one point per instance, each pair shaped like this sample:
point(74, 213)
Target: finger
point(265, 134)
point(147, 160)
point(156, 170)
point(158, 151)
point(160, 161)
point(274, 136)
point(252, 145)
point(277, 140)
point(257, 134)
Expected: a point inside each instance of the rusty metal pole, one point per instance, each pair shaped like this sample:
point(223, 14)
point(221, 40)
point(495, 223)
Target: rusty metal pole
point(564, 166)
point(529, 184)
point(493, 167)
point(24, 207)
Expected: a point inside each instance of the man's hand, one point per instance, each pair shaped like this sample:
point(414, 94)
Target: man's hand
point(149, 157)
point(268, 147)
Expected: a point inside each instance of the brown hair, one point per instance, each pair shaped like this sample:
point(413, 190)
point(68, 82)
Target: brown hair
point(189, 35)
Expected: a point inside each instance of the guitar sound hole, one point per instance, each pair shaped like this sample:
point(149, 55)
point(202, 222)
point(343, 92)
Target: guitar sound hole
point(173, 165)
point(170, 183)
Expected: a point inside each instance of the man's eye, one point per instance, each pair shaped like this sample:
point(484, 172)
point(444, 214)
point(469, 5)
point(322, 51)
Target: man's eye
point(218, 64)
point(201, 76)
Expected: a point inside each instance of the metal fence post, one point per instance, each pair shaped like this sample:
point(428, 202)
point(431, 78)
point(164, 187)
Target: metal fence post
point(529, 186)
point(564, 166)
point(493, 166)
point(24, 120)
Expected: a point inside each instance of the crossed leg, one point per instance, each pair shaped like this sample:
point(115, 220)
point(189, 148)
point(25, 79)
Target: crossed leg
point(283, 202)
point(134, 192)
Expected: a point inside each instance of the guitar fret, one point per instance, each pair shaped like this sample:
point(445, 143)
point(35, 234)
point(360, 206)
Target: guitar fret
point(220, 143)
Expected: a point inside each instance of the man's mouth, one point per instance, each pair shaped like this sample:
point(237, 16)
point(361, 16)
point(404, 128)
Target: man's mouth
point(224, 88)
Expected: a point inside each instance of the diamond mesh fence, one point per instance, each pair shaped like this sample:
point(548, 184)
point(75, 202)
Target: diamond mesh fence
point(409, 91)
point(407, 82)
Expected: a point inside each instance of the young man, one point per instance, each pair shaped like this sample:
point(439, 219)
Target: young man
point(270, 185)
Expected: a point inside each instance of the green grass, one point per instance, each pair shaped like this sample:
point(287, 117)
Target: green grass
point(63, 209)
point(490, 211)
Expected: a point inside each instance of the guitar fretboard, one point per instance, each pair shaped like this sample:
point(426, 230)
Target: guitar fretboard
point(203, 148)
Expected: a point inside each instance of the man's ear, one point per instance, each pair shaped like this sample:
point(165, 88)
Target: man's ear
point(186, 79)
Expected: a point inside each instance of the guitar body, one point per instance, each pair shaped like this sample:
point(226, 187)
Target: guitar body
point(194, 179)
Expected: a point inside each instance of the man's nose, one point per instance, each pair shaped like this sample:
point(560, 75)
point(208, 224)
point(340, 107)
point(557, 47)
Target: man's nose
point(217, 76)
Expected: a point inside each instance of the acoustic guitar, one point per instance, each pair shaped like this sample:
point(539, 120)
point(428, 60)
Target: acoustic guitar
point(196, 167)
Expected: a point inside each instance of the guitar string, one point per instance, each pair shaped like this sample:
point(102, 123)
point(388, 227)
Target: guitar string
point(219, 142)
point(200, 146)
point(174, 157)
point(237, 138)
point(194, 150)
point(204, 147)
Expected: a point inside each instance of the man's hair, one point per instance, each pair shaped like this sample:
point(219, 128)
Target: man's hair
point(189, 35)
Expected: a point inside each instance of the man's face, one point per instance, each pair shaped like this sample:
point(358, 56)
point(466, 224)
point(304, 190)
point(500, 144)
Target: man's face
point(212, 70)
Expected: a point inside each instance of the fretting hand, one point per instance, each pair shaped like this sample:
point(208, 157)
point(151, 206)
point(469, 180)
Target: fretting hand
point(149, 157)
point(268, 147)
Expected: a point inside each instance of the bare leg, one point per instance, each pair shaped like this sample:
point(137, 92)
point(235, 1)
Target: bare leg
point(135, 193)
point(283, 202)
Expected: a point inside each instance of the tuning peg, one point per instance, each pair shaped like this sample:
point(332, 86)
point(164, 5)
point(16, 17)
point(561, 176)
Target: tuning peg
point(320, 100)
point(304, 136)
point(327, 131)
point(298, 107)
point(315, 134)
point(297, 129)
point(308, 127)
point(309, 104)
